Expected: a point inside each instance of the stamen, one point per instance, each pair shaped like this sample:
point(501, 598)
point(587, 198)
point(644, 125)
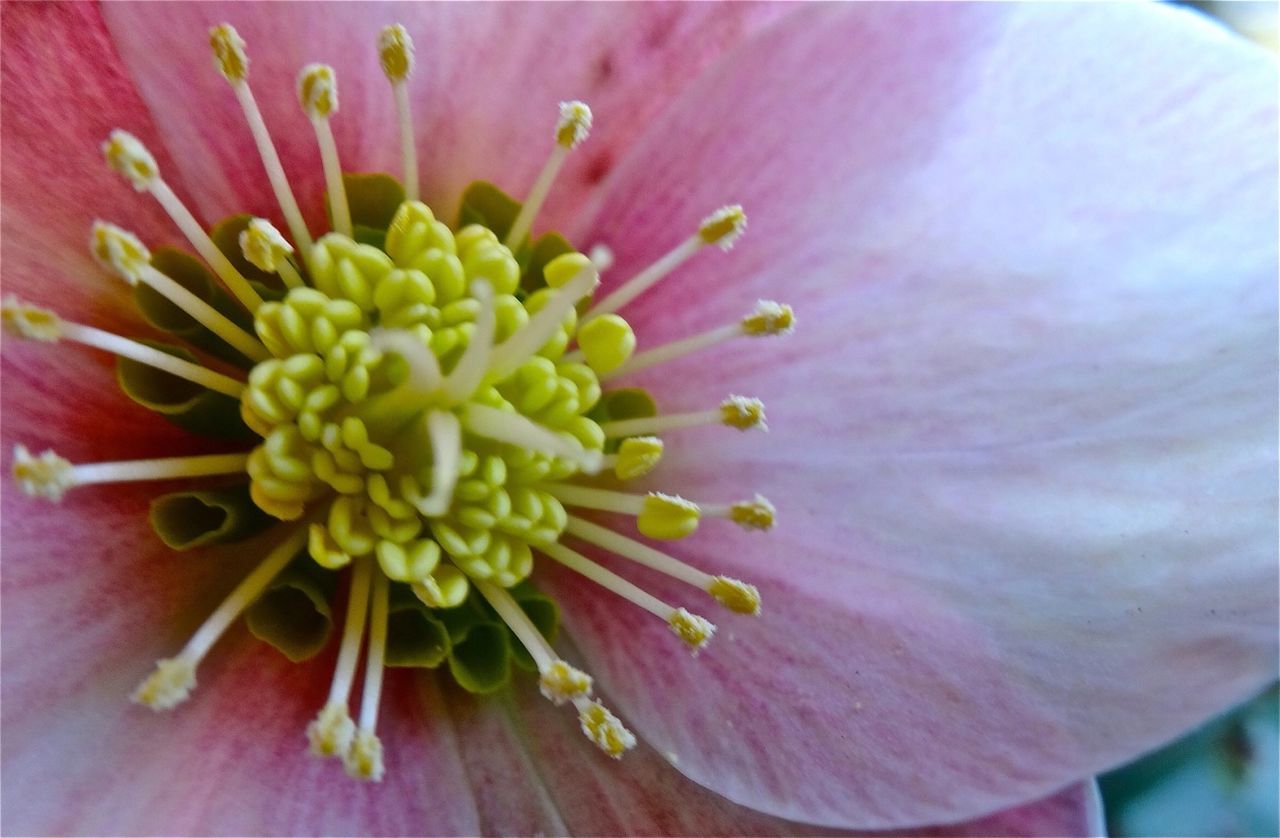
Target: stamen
point(231, 61)
point(754, 514)
point(604, 729)
point(722, 227)
point(445, 433)
point(363, 759)
point(318, 94)
point(767, 318)
point(50, 476)
point(28, 321)
point(732, 593)
point(736, 411)
point(130, 158)
point(636, 457)
point(120, 252)
point(571, 129)
point(606, 343)
point(267, 250)
point(331, 732)
point(664, 517)
point(470, 369)
point(515, 350)
point(515, 429)
point(395, 51)
point(692, 629)
point(559, 681)
point(174, 677)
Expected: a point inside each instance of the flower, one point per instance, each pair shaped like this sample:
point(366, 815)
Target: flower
point(994, 462)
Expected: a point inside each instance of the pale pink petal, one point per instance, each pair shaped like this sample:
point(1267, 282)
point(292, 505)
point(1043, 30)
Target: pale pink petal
point(533, 772)
point(484, 94)
point(1023, 443)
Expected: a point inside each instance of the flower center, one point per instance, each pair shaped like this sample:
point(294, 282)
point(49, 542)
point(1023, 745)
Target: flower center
point(435, 405)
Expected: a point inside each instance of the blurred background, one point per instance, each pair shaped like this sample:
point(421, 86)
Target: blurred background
point(1224, 779)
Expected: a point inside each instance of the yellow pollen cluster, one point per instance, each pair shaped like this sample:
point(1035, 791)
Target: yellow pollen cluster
point(429, 411)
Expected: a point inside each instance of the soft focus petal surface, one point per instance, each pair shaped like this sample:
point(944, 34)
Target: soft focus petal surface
point(1023, 444)
point(485, 92)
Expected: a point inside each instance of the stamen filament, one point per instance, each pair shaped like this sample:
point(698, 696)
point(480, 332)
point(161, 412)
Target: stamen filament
point(736, 412)
point(376, 652)
point(344, 671)
point(232, 278)
point(395, 51)
point(519, 623)
point(515, 350)
point(204, 314)
point(647, 278)
point(515, 429)
point(589, 497)
point(470, 369)
point(274, 168)
point(289, 274)
point(174, 677)
point(164, 468)
point(445, 432)
point(318, 94)
point(673, 350)
point(572, 128)
point(409, 152)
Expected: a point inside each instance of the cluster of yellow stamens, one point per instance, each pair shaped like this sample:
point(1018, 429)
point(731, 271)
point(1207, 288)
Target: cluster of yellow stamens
point(427, 411)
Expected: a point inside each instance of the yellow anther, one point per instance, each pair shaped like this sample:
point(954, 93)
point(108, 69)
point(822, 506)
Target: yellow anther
point(735, 595)
point(724, 226)
point(445, 588)
point(692, 629)
point(637, 456)
point(768, 318)
point(318, 90)
point(228, 52)
point(46, 476)
point(743, 413)
point(128, 156)
point(563, 268)
point(754, 514)
point(605, 730)
point(574, 123)
point(667, 517)
point(119, 251)
point(410, 562)
point(606, 342)
point(363, 759)
point(168, 686)
point(29, 321)
point(325, 551)
point(331, 731)
point(395, 51)
point(263, 245)
point(561, 682)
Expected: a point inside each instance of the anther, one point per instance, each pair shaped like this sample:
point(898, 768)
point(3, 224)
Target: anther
point(46, 476)
point(735, 595)
point(661, 516)
point(754, 514)
point(605, 730)
point(318, 94)
point(736, 411)
point(267, 250)
point(767, 318)
point(519, 347)
point(693, 630)
point(174, 677)
point(636, 457)
point(395, 51)
point(120, 252)
point(722, 227)
point(130, 158)
point(571, 129)
point(233, 64)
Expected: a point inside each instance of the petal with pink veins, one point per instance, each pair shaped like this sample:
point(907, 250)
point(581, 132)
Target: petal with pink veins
point(1023, 442)
point(485, 90)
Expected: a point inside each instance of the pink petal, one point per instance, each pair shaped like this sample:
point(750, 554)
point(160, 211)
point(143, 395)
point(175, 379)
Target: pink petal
point(485, 90)
point(1023, 444)
point(533, 772)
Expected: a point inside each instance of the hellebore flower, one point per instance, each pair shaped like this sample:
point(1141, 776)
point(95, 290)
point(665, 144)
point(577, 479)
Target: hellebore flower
point(1023, 442)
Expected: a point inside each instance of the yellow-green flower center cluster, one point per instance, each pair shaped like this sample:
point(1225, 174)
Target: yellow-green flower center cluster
point(344, 422)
